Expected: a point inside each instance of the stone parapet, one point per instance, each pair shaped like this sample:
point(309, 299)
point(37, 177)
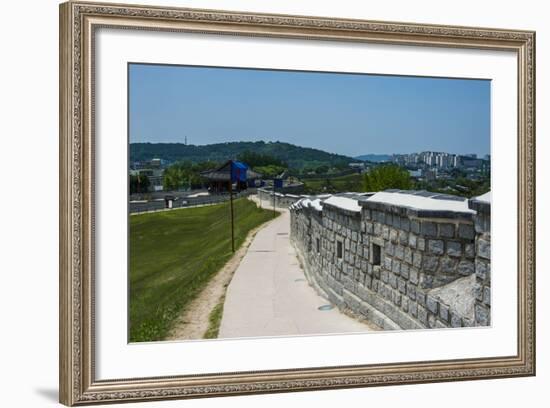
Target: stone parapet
point(279, 199)
point(401, 266)
point(482, 223)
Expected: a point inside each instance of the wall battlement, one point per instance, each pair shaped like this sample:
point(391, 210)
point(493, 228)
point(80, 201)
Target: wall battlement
point(402, 259)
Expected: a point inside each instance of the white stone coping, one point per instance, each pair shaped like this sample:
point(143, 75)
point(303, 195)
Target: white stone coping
point(420, 202)
point(307, 202)
point(484, 198)
point(345, 203)
point(401, 199)
point(317, 204)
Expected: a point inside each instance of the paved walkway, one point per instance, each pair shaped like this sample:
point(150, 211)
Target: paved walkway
point(269, 294)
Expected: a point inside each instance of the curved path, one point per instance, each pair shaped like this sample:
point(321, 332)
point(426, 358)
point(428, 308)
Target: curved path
point(270, 296)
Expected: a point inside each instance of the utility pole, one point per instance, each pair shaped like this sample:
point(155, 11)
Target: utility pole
point(259, 198)
point(274, 198)
point(231, 205)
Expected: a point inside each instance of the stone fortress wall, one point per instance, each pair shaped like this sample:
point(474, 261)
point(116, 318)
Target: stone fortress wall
point(482, 222)
point(401, 259)
point(281, 200)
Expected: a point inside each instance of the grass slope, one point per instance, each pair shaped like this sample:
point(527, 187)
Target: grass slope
point(214, 321)
point(350, 182)
point(173, 254)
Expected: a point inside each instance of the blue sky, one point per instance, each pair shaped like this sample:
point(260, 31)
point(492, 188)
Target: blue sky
point(340, 113)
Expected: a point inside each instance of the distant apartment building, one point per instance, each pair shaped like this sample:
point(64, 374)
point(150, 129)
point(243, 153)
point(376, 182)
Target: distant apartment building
point(155, 177)
point(439, 160)
point(153, 170)
point(472, 163)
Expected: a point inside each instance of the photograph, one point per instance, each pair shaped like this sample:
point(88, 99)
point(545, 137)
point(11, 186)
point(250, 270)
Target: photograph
point(265, 203)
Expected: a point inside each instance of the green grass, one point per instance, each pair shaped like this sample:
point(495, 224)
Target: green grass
point(214, 320)
point(173, 254)
point(349, 182)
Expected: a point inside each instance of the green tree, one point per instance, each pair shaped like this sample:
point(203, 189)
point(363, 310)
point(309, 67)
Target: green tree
point(186, 174)
point(323, 169)
point(139, 184)
point(327, 186)
point(270, 171)
point(387, 176)
point(173, 178)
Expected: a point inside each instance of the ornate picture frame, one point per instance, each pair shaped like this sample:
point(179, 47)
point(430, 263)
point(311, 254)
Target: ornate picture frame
point(78, 24)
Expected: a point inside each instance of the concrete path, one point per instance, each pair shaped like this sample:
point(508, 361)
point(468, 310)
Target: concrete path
point(270, 296)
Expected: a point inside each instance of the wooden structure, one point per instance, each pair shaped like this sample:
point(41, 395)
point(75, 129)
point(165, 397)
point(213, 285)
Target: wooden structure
point(232, 175)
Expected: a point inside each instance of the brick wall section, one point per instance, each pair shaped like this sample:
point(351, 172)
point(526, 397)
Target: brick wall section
point(419, 251)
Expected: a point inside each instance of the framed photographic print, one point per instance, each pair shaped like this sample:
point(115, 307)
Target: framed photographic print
point(258, 203)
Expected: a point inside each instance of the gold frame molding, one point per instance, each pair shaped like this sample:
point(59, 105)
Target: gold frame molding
point(78, 22)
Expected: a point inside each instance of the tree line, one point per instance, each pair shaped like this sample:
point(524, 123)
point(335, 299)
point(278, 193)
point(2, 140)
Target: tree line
point(186, 174)
point(289, 155)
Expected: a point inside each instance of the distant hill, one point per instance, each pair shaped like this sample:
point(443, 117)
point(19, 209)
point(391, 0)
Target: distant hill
point(296, 157)
point(376, 158)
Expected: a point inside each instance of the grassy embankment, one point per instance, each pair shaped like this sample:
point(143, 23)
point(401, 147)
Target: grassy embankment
point(327, 184)
point(173, 254)
point(214, 321)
